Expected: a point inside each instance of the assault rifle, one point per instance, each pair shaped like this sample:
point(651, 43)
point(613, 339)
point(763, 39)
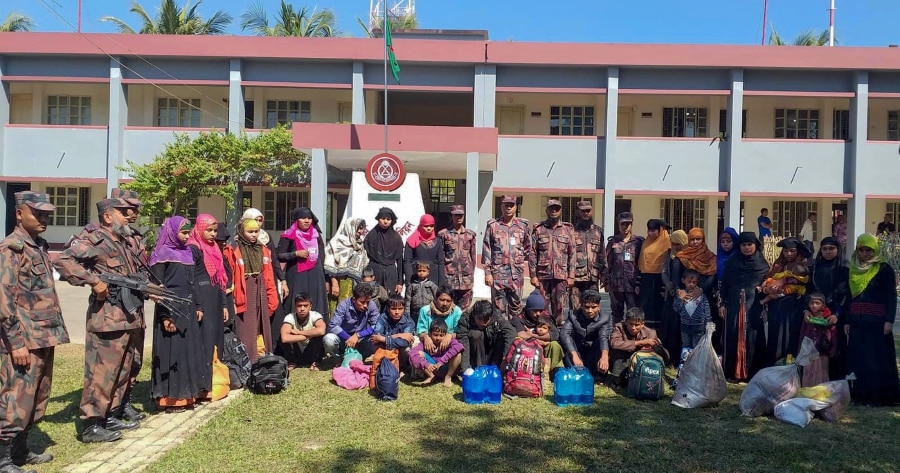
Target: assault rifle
point(128, 293)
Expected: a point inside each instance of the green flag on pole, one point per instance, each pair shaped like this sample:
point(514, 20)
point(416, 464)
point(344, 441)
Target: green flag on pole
point(389, 44)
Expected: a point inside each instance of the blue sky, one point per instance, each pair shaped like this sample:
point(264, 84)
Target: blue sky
point(858, 22)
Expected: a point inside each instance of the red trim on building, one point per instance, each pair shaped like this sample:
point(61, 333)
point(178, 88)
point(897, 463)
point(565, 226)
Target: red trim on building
point(884, 95)
point(673, 92)
point(441, 139)
point(793, 93)
point(85, 80)
point(552, 90)
point(555, 137)
point(206, 82)
point(788, 140)
point(297, 85)
point(72, 180)
point(546, 190)
point(172, 129)
point(883, 196)
point(666, 138)
point(811, 195)
point(664, 192)
point(421, 88)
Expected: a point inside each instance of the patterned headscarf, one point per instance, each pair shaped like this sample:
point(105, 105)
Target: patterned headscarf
point(344, 254)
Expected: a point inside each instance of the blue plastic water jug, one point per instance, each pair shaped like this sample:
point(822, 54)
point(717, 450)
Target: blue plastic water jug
point(562, 387)
point(474, 386)
point(494, 382)
point(585, 387)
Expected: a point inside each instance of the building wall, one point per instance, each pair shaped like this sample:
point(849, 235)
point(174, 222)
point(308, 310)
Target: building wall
point(143, 103)
point(38, 92)
point(553, 162)
point(761, 113)
point(536, 109)
point(324, 103)
point(647, 111)
point(878, 115)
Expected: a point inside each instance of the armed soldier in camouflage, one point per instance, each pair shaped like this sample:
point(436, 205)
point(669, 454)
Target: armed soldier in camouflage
point(506, 250)
point(623, 280)
point(552, 264)
point(111, 331)
point(459, 257)
point(590, 259)
point(135, 243)
point(31, 325)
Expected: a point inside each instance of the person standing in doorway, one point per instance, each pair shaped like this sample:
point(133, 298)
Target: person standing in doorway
point(623, 279)
point(552, 263)
point(506, 250)
point(764, 224)
point(808, 232)
point(590, 263)
point(32, 326)
point(887, 226)
point(459, 257)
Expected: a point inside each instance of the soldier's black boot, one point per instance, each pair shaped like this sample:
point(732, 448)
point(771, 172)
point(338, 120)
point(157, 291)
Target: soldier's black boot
point(94, 432)
point(127, 411)
point(6, 463)
point(22, 455)
point(115, 425)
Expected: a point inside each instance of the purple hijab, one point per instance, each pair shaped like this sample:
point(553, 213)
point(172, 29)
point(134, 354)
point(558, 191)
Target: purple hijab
point(169, 249)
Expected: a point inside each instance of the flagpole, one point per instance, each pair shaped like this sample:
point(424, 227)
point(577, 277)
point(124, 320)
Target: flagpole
point(765, 17)
point(384, 25)
point(831, 24)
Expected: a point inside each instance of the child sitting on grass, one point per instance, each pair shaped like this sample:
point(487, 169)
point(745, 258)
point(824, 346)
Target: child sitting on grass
point(394, 329)
point(444, 362)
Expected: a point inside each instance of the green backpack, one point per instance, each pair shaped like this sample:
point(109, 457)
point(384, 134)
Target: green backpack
point(646, 376)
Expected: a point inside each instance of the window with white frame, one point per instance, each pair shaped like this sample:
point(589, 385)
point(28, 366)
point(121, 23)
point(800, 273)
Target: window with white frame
point(572, 120)
point(893, 125)
point(569, 207)
point(68, 110)
point(840, 125)
point(683, 214)
point(72, 205)
point(442, 193)
point(686, 122)
point(796, 123)
point(278, 205)
point(893, 209)
point(178, 113)
point(788, 217)
point(285, 112)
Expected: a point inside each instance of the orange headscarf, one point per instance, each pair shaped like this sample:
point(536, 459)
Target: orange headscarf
point(700, 259)
point(654, 249)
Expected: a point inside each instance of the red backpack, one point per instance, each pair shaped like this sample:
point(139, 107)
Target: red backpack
point(523, 365)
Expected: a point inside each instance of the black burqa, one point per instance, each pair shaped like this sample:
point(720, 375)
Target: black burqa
point(785, 314)
point(742, 273)
point(385, 249)
point(831, 279)
point(310, 281)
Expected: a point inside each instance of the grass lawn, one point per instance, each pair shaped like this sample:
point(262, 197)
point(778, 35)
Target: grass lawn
point(316, 426)
point(57, 431)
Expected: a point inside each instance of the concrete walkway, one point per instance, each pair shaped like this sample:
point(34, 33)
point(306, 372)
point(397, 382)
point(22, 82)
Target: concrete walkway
point(140, 448)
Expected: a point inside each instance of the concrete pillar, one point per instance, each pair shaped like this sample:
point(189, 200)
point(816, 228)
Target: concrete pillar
point(485, 95)
point(359, 95)
point(859, 125)
point(118, 119)
point(485, 204)
point(318, 185)
point(235, 98)
point(732, 150)
point(472, 188)
point(609, 151)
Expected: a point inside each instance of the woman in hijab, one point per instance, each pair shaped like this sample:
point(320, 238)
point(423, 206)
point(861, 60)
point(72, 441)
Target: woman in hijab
point(423, 245)
point(829, 276)
point(869, 321)
point(212, 279)
point(181, 370)
point(785, 314)
point(670, 326)
point(269, 243)
point(345, 260)
point(301, 248)
point(743, 272)
point(728, 247)
point(255, 296)
point(700, 258)
point(650, 264)
point(385, 249)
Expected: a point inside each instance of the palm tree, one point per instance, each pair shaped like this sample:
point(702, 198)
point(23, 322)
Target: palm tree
point(404, 22)
point(174, 20)
point(805, 38)
point(290, 22)
point(16, 22)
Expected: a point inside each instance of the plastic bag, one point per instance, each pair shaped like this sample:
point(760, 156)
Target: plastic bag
point(701, 381)
point(838, 400)
point(776, 383)
point(350, 354)
point(798, 411)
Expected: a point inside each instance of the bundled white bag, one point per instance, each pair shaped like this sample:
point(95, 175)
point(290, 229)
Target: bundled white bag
point(776, 383)
point(798, 411)
point(701, 382)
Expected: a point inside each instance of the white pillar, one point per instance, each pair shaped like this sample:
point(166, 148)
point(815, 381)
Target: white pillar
point(472, 187)
point(358, 115)
point(318, 185)
point(118, 118)
point(485, 95)
point(859, 125)
point(235, 98)
point(732, 145)
point(609, 154)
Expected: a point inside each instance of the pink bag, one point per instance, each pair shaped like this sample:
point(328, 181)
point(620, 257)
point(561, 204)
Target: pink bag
point(356, 376)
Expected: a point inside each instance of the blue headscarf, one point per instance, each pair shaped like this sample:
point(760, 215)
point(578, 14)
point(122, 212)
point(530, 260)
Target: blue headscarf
point(722, 255)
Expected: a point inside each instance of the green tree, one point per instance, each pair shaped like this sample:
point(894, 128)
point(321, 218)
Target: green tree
point(290, 22)
point(16, 22)
point(805, 38)
point(214, 164)
point(174, 20)
point(404, 22)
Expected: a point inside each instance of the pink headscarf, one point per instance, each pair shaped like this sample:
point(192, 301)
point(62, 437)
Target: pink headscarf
point(304, 239)
point(212, 256)
point(419, 235)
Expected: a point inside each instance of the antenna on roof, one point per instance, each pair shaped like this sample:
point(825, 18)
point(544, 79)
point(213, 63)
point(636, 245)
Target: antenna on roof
point(394, 8)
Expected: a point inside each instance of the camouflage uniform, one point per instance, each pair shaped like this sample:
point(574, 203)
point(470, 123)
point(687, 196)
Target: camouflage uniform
point(111, 333)
point(590, 262)
point(459, 263)
point(30, 317)
point(623, 274)
point(553, 263)
point(506, 249)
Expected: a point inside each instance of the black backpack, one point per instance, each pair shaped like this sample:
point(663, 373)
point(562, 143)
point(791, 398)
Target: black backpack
point(269, 375)
point(236, 359)
point(387, 381)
